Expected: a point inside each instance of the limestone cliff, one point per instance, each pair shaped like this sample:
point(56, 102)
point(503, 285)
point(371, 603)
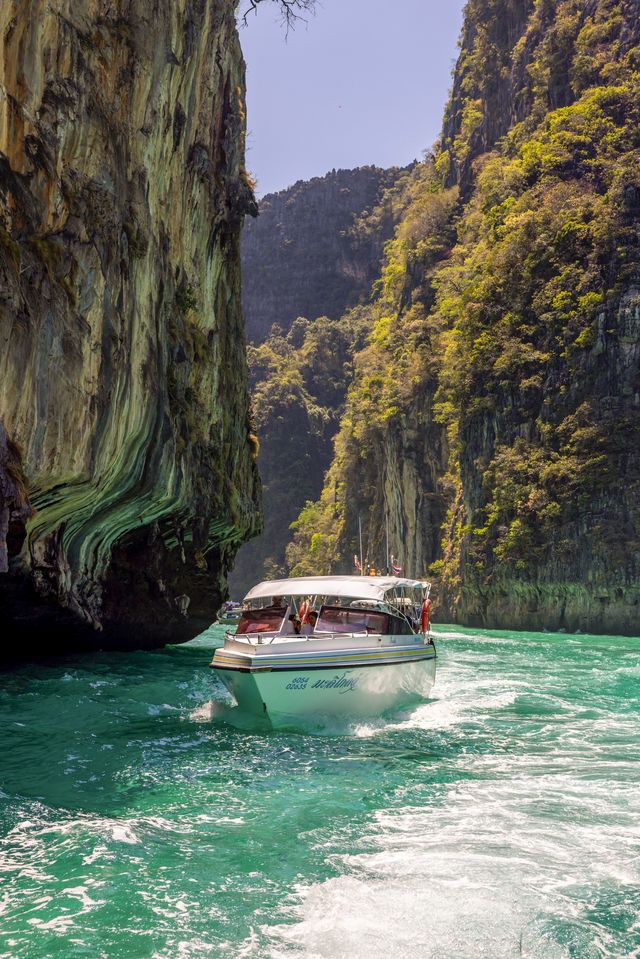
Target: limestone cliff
point(500, 385)
point(127, 478)
point(314, 250)
point(540, 380)
point(316, 247)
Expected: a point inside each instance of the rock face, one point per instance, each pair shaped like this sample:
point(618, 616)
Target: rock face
point(312, 252)
point(127, 478)
point(544, 527)
point(494, 417)
point(299, 384)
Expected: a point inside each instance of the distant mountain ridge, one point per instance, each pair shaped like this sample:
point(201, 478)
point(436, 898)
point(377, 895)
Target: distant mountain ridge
point(310, 253)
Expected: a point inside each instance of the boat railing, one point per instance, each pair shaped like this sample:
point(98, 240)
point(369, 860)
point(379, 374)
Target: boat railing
point(266, 639)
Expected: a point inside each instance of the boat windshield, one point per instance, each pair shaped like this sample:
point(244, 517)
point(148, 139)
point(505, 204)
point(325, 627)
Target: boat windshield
point(339, 619)
point(266, 620)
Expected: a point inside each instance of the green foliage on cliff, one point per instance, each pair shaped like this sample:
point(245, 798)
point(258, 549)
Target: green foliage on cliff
point(399, 351)
point(299, 382)
point(309, 366)
point(554, 210)
point(507, 319)
point(389, 377)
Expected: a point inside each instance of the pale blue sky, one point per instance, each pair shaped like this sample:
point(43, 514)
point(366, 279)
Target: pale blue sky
point(363, 82)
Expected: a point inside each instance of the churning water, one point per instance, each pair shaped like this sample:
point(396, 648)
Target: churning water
point(500, 819)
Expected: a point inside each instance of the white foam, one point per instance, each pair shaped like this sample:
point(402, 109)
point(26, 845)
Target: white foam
point(490, 868)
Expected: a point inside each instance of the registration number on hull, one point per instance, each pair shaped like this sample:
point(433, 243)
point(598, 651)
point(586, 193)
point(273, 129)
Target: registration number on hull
point(342, 683)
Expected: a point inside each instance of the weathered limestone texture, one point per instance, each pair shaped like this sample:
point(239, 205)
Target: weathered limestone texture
point(122, 369)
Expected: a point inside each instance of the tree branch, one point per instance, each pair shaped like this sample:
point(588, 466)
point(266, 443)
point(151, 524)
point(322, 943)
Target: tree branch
point(291, 10)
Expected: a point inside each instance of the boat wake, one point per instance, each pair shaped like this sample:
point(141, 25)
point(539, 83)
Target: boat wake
point(216, 711)
point(515, 833)
point(498, 819)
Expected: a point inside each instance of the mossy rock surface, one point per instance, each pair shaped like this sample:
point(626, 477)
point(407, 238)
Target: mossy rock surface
point(124, 373)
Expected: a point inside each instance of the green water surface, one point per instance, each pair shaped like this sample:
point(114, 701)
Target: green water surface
point(141, 818)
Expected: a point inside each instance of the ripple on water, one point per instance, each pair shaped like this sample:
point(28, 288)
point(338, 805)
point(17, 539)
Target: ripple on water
point(140, 819)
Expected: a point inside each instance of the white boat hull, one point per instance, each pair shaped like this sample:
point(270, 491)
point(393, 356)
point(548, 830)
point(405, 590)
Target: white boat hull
point(281, 695)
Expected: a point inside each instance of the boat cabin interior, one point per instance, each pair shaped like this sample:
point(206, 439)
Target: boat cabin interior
point(266, 620)
point(331, 619)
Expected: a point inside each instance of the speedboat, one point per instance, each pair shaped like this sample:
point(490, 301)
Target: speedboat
point(329, 645)
point(229, 614)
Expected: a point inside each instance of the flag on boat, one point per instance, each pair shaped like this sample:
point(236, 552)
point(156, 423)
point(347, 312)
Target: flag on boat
point(356, 563)
point(395, 569)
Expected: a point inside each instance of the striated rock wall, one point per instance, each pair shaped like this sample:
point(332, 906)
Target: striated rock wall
point(395, 487)
point(122, 366)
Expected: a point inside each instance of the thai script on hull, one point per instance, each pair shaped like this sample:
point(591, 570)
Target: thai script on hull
point(343, 683)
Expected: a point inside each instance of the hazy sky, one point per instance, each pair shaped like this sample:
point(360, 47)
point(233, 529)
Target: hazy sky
point(362, 82)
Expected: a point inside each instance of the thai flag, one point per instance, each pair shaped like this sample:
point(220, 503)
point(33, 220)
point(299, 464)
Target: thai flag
point(396, 570)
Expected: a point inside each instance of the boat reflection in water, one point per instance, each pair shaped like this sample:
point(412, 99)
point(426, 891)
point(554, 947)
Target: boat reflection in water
point(351, 646)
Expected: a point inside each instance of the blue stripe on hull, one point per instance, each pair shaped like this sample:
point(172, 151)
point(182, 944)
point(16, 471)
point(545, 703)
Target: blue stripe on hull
point(259, 667)
point(329, 660)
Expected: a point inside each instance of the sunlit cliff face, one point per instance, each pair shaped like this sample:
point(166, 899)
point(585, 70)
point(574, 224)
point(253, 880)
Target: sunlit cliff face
point(494, 415)
point(122, 369)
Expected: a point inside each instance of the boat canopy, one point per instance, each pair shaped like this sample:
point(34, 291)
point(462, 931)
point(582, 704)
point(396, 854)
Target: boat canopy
point(355, 587)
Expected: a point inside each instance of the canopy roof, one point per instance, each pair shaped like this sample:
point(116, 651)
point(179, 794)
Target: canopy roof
point(356, 587)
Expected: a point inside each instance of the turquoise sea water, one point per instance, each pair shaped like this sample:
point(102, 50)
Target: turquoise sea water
point(500, 819)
